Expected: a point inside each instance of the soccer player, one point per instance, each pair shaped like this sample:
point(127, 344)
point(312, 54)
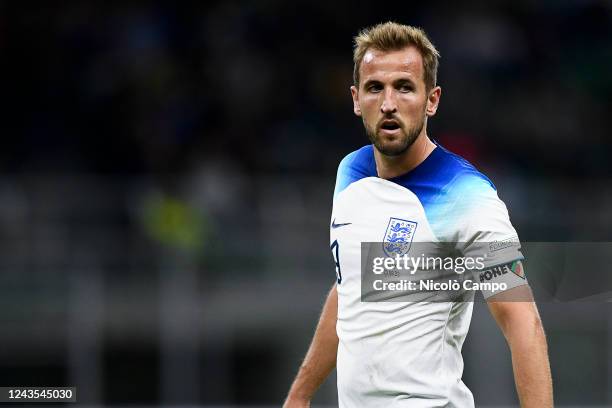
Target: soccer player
point(406, 188)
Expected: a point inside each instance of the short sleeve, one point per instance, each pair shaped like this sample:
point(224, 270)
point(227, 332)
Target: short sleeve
point(486, 232)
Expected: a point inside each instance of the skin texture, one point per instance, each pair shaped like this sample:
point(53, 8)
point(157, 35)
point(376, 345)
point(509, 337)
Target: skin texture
point(320, 359)
point(520, 322)
point(392, 88)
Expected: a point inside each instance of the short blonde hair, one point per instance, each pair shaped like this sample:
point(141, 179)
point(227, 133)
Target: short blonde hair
point(392, 36)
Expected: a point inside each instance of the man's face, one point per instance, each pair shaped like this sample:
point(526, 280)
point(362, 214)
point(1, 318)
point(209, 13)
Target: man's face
point(392, 99)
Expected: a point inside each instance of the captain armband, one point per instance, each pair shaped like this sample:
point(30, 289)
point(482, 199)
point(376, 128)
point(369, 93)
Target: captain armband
point(508, 276)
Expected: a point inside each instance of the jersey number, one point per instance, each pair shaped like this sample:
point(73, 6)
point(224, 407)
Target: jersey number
point(335, 248)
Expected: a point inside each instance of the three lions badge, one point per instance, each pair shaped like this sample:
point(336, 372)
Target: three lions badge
point(398, 236)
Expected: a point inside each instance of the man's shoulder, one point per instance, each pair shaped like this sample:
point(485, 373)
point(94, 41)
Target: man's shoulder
point(443, 172)
point(355, 166)
point(360, 161)
point(457, 173)
point(444, 175)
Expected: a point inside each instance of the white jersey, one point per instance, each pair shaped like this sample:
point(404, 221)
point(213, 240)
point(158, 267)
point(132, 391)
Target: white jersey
point(408, 354)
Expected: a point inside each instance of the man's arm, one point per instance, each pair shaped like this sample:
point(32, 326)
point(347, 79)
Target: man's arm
point(520, 322)
point(320, 359)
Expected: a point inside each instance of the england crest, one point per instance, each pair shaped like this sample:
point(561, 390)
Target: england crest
point(398, 236)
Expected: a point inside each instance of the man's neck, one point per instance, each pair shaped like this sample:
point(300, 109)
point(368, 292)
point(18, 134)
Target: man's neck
point(392, 166)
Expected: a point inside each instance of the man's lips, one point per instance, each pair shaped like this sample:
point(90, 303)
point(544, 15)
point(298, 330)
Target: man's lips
point(389, 126)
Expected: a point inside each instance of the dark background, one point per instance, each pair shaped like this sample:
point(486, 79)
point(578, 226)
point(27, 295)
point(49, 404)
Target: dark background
point(167, 174)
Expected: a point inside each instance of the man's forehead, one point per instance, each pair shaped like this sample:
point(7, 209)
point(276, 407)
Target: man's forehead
point(406, 60)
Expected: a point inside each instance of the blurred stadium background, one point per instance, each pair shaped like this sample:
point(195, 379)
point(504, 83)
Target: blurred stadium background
point(167, 174)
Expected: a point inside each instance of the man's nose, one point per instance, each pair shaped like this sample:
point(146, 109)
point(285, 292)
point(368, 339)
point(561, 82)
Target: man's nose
point(388, 105)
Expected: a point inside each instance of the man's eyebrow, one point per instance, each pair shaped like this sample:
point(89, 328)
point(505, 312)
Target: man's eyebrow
point(371, 82)
point(403, 81)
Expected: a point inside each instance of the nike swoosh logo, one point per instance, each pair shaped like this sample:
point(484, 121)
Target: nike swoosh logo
point(334, 225)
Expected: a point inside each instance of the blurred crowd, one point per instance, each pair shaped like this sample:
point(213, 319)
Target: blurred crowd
point(152, 87)
point(241, 89)
point(138, 132)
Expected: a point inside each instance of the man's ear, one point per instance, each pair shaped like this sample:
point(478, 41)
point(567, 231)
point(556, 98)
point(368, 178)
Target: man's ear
point(355, 95)
point(433, 100)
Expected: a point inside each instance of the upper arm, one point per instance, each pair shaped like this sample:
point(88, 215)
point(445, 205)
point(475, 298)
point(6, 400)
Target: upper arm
point(487, 234)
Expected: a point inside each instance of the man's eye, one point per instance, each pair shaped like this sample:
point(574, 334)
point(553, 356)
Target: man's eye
point(405, 88)
point(374, 88)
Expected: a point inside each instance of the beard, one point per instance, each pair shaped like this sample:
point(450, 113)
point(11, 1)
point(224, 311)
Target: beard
point(400, 144)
